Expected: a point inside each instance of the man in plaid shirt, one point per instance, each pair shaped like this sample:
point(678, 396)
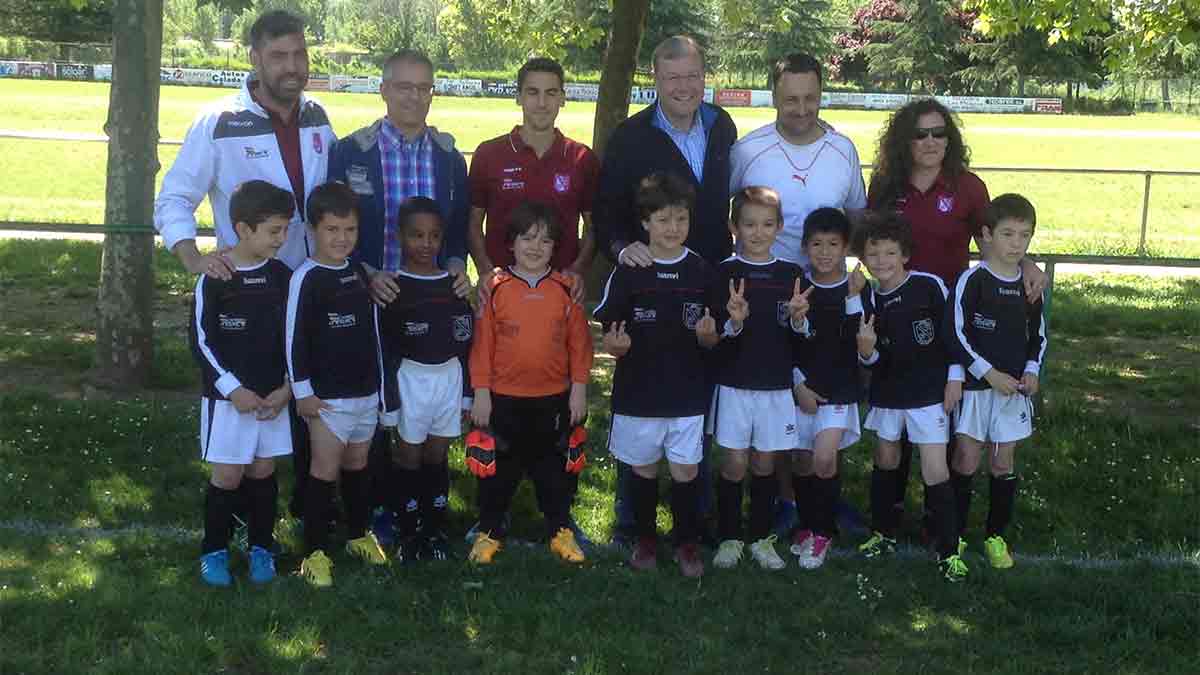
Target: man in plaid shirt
point(397, 157)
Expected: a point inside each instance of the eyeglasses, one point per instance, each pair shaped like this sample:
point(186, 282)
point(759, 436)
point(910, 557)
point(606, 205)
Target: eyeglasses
point(408, 88)
point(921, 134)
point(690, 78)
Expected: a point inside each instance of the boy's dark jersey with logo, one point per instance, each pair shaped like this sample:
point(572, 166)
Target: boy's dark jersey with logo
point(913, 363)
point(828, 356)
point(665, 372)
point(758, 358)
point(992, 325)
point(332, 342)
point(236, 332)
point(426, 323)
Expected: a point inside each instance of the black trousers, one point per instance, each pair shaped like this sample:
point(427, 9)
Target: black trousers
point(530, 431)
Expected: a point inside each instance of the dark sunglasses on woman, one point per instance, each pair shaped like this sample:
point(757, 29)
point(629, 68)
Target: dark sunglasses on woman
point(921, 134)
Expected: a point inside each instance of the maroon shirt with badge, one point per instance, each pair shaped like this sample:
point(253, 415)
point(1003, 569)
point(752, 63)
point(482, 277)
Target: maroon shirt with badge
point(943, 219)
point(506, 172)
point(287, 134)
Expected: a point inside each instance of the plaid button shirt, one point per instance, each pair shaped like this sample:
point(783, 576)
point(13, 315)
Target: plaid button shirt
point(407, 172)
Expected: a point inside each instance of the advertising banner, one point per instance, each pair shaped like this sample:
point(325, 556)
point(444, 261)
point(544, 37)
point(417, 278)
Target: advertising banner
point(74, 71)
point(734, 98)
point(37, 71)
point(582, 92)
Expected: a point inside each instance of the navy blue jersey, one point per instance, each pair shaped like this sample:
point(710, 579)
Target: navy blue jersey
point(237, 330)
point(426, 323)
point(332, 342)
point(760, 356)
point(828, 357)
point(913, 357)
point(993, 326)
point(664, 372)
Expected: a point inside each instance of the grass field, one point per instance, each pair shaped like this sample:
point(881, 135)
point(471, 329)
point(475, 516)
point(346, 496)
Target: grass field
point(64, 181)
point(100, 501)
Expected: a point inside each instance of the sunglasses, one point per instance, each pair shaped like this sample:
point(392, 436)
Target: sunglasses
point(921, 134)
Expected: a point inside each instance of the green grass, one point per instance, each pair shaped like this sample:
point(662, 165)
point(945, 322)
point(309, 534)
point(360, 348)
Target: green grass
point(111, 586)
point(64, 181)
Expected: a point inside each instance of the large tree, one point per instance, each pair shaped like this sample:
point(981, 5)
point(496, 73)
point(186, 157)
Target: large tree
point(753, 34)
point(125, 305)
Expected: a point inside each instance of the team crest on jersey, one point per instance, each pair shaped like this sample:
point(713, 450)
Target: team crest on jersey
point(462, 327)
point(923, 332)
point(945, 203)
point(562, 182)
point(692, 311)
point(782, 315)
point(318, 144)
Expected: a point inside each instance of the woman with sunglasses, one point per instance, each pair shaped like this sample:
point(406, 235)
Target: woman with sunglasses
point(921, 172)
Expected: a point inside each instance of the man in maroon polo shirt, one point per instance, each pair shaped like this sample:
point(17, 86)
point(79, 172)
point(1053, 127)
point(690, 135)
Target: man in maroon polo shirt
point(533, 162)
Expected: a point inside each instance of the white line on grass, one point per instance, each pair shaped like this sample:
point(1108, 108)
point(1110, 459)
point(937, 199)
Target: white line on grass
point(187, 535)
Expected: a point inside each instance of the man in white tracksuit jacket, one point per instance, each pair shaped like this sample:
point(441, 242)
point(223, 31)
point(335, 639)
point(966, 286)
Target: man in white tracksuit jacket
point(267, 131)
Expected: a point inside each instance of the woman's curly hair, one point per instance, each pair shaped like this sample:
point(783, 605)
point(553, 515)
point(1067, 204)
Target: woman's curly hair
point(893, 155)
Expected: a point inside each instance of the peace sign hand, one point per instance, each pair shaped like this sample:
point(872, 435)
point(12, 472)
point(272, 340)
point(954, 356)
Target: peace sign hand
point(866, 336)
point(798, 304)
point(706, 330)
point(737, 307)
point(857, 281)
point(616, 340)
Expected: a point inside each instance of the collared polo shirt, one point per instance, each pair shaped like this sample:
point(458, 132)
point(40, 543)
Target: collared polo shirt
point(692, 143)
point(506, 172)
point(943, 219)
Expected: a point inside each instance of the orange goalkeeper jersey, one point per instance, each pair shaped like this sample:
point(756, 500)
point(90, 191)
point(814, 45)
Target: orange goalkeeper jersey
point(530, 340)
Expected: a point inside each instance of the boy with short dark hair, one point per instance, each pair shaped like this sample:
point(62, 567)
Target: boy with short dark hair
point(827, 389)
point(426, 338)
point(1000, 338)
point(762, 304)
point(530, 364)
point(334, 362)
point(653, 320)
point(914, 387)
point(237, 339)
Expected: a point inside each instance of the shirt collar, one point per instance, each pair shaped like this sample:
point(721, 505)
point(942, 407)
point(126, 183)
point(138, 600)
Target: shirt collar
point(939, 183)
point(665, 124)
point(519, 145)
point(395, 137)
point(252, 89)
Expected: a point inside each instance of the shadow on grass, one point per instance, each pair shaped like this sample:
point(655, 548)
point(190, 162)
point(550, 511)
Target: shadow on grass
point(133, 605)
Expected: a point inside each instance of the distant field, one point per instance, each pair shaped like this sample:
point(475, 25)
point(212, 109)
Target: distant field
point(64, 181)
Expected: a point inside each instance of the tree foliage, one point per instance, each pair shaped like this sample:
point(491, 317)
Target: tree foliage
point(755, 33)
point(484, 33)
point(58, 20)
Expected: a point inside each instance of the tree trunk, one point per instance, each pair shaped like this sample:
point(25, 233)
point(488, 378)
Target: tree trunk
point(1021, 85)
point(1166, 94)
point(125, 307)
point(612, 104)
point(620, 62)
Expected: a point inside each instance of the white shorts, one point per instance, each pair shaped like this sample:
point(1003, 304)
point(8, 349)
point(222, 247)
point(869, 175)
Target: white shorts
point(988, 416)
point(231, 437)
point(747, 418)
point(645, 440)
point(431, 401)
point(929, 424)
point(352, 420)
point(828, 416)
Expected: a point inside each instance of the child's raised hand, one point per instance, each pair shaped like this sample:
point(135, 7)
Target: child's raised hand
point(798, 304)
point(616, 340)
point(866, 336)
point(737, 307)
point(1002, 382)
point(857, 281)
point(1029, 384)
point(706, 329)
point(246, 401)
